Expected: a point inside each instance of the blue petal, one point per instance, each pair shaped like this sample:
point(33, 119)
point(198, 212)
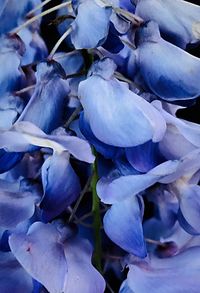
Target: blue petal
point(41, 254)
point(179, 273)
point(9, 160)
point(78, 254)
point(121, 117)
point(164, 67)
point(123, 225)
point(13, 277)
point(113, 190)
point(36, 49)
point(50, 83)
point(107, 151)
point(16, 206)
point(11, 14)
point(178, 27)
point(25, 134)
point(189, 212)
point(144, 157)
point(61, 185)
point(125, 288)
point(71, 62)
point(59, 262)
point(84, 35)
point(11, 77)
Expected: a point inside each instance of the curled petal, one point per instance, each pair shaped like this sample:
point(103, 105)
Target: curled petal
point(114, 190)
point(24, 134)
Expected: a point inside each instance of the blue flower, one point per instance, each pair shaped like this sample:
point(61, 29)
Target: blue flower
point(121, 118)
point(57, 259)
point(170, 73)
point(180, 28)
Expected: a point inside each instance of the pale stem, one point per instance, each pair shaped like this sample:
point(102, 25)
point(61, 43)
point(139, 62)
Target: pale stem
point(57, 45)
point(33, 19)
point(38, 7)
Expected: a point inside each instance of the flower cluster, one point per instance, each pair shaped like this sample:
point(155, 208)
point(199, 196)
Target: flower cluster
point(97, 172)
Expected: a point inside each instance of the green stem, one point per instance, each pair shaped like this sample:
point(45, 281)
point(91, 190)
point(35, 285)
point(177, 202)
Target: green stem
point(97, 256)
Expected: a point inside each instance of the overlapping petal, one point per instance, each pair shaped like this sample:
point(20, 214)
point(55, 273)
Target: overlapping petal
point(125, 229)
point(165, 67)
point(121, 117)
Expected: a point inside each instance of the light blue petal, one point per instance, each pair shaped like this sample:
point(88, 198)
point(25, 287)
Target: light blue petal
point(41, 254)
point(84, 35)
point(121, 117)
point(114, 190)
point(81, 273)
point(123, 225)
point(164, 67)
point(179, 273)
point(177, 27)
point(24, 134)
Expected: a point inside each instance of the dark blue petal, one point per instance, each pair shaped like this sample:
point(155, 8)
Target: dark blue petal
point(61, 185)
point(144, 157)
point(9, 160)
point(50, 94)
point(123, 225)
